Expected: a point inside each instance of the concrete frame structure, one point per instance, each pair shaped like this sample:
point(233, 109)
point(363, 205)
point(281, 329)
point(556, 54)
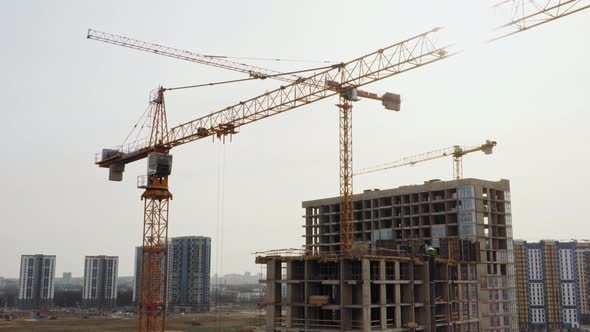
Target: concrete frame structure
point(371, 290)
point(548, 295)
point(100, 282)
point(36, 284)
point(408, 216)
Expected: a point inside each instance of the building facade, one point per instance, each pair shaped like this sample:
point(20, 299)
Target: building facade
point(189, 265)
point(373, 290)
point(522, 292)
point(408, 216)
point(100, 281)
point(583, 266)
point(548, 294)
point(36, 285)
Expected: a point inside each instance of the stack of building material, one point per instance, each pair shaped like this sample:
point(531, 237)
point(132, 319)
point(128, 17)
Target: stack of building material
point(319, 300)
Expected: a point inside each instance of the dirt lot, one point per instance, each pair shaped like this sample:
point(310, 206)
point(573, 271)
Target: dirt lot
point(226, 321)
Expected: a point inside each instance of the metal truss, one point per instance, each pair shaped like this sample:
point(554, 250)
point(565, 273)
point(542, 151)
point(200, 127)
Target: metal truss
point(527, 14)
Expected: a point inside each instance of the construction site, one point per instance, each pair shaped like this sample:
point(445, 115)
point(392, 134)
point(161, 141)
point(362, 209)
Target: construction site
point(437, 256)
point(372, 289)
point(389, 279)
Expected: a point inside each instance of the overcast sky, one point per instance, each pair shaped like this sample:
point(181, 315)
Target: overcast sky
point(65, 97)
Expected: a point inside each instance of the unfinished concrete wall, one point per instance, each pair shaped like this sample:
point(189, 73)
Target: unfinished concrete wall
point(370, 293)
point(406, 217)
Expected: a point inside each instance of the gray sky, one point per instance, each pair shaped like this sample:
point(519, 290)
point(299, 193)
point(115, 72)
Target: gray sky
point(65, 98)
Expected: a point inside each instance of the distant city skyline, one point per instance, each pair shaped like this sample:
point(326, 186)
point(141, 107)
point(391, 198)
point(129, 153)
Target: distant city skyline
point(230, 274)
point(251, 273)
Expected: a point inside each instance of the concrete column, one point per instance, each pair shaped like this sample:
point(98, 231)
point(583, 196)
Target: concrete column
point(398, 297)
point(273, 294)
point(427, 298)
point(483, 297)
point(366, 295)
point(383, 295)
point(411, 293)
point(345, 296)
point(460, 294)
point(288, 306)
point(306, 294)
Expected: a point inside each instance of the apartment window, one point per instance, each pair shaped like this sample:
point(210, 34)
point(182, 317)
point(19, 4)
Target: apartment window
point(467, 230)
point(466, 217)
point(466, 204)
point(466, 192)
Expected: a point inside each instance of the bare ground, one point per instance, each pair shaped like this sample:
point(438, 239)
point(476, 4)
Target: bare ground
point(228, 321)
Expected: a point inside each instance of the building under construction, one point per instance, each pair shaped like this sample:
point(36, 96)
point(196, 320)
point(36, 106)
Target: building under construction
point(372, 289)
point(385, 283)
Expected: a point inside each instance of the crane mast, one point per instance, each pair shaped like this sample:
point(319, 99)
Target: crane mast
point(343, 79)
point(345, 130)
point(156, 197)
point(455, 151)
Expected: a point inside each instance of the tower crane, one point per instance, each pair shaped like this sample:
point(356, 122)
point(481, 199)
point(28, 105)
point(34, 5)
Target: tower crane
point(527, 14)
point(389, 100)
point(342, 79)
point(455, 151)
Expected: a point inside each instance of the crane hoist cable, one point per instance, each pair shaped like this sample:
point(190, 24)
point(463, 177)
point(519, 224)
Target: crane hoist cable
point(253, 77)
point(221, 167)
point(145, 120)
point(268, 59)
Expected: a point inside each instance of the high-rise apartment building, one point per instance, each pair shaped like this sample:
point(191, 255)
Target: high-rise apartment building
point(138, 275)
point(583, 267)
point(100, 281)
point(467, 209)
point(189, 264)
point(547, 277)
point(520, 273)
point(36, 282)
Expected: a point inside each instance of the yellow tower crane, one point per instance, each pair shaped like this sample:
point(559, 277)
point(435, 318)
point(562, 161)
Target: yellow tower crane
point(527, 14)
point(456, 151)
point(342, 79)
